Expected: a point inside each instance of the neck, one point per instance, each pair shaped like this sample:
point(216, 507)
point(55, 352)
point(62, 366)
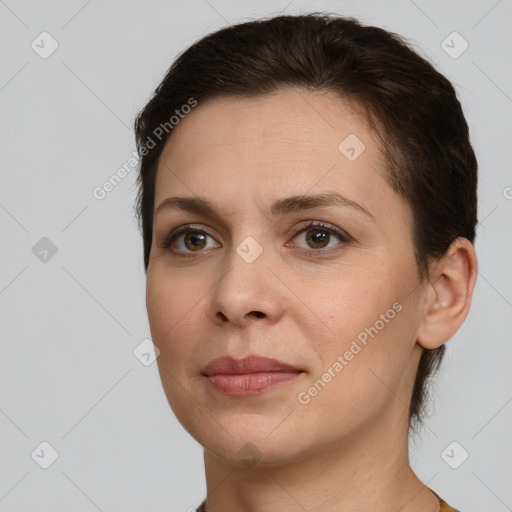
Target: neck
point(366, 470)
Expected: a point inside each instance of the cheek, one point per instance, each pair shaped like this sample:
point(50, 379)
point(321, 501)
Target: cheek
point(172, 308)
point(355, 301)
point(371, 336)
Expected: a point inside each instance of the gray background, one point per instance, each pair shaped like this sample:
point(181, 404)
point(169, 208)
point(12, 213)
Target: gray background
point(70, 323)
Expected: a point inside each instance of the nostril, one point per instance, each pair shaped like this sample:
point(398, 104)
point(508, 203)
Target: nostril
point(259, 314)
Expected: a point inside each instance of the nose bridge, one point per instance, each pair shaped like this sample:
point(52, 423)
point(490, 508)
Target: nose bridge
point(247, 286)
point(246, 268)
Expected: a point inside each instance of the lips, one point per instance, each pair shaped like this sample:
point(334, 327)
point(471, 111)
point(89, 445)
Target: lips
point(249, 376)
point(250, 364)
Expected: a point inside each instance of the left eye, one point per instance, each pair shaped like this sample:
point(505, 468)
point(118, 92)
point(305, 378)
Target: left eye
point(319, 236)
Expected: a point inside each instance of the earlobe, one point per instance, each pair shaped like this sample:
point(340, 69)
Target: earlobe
point(449, 294)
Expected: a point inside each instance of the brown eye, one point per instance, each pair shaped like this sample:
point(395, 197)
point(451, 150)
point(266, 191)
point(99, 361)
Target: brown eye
point(317, 238)
point(187, 240)
point(320, 235)
point(195, 240)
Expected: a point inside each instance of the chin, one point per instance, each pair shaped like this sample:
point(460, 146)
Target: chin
point(253, 440)
point(252, 451)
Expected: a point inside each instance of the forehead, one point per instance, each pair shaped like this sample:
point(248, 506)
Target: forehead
point(239, 150)
point(315, 119)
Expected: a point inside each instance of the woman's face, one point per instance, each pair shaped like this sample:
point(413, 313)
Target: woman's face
point(340, 303)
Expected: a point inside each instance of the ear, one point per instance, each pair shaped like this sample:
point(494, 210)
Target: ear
point(449, 293)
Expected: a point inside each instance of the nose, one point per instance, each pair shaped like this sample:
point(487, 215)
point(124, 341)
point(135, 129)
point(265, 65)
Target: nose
point(247, 292)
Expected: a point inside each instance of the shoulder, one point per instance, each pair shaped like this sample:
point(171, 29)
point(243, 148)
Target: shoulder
point(445, 507)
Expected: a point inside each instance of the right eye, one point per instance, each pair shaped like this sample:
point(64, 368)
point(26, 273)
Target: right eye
point(187, 240)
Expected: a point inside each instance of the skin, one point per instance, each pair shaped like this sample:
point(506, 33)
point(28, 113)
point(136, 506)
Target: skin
point(298, 302)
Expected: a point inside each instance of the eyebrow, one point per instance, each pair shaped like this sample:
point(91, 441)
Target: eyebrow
point(281, 207)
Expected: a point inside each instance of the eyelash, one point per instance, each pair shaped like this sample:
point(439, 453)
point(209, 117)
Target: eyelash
point(322, 226)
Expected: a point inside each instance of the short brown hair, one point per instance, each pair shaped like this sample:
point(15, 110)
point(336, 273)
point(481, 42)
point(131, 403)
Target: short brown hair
point(413, 107)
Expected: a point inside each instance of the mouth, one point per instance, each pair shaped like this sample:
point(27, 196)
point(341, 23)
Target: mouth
point(248, 376)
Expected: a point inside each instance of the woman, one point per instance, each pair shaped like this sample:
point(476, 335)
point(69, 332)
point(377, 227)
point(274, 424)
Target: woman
point(308, 208)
